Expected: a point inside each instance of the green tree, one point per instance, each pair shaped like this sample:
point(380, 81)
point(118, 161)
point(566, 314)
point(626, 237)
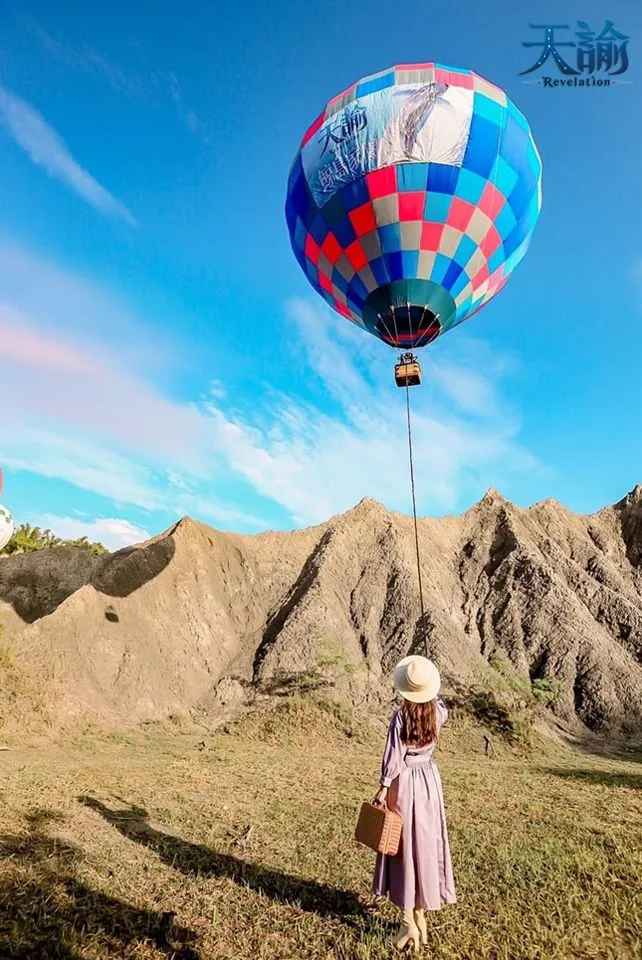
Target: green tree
point(28, 539)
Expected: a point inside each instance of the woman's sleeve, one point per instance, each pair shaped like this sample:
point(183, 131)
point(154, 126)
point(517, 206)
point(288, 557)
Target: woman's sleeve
point(394, 753)
point(442, 713)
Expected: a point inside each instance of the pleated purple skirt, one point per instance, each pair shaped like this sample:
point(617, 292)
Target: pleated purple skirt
point(421, 877)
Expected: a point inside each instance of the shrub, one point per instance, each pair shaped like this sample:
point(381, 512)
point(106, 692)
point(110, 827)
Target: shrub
point(547, 690)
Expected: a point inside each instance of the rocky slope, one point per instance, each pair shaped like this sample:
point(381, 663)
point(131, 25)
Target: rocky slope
point(154, 629)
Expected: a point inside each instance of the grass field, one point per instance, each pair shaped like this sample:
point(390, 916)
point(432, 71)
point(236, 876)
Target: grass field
point(183, 844)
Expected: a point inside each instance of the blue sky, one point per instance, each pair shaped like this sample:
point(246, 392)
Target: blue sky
point(160, 350)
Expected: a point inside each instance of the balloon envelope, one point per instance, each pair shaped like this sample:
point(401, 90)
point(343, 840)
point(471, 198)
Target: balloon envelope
point(412, 198)
point(6, 527)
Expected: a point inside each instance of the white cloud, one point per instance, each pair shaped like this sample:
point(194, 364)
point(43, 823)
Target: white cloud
point(62, 455)
point(471, 391)
point(217, 390)
point(113, 532)
point(83, 416)
point(464, 434)
point(317, 465)
point(46, 149)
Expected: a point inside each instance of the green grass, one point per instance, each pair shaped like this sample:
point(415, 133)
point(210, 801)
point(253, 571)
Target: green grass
point(137, 846)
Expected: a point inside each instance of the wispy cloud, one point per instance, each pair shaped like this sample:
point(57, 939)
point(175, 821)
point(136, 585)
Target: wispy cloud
point(139, 84)
point(59, 453)
point(187, 116)
point(44, 147)
point(89, 60)
point(85, 417)
point(100, 397)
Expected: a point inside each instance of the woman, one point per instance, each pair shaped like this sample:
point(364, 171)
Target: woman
point(420, 877)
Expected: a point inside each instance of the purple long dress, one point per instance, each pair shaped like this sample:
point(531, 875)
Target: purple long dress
point(421, 877)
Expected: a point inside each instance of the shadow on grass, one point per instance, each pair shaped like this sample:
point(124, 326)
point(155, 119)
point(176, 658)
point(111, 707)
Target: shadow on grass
point(602, 778)
point(196, 859)
point(48, 913)
point(608, 748)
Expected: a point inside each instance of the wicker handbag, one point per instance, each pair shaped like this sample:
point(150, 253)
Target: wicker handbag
point(379, 829)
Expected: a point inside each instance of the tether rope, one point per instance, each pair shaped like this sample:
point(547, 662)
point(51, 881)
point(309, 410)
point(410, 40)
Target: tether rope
point(414, 514)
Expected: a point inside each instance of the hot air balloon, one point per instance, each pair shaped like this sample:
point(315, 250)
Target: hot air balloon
point(412, 198)
point(6, 522)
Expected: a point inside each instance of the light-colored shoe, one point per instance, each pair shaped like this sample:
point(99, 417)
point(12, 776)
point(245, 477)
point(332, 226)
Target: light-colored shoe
point(408, 933)
point(420, 922)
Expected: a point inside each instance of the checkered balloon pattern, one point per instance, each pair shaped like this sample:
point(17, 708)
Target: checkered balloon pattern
point(412, 198)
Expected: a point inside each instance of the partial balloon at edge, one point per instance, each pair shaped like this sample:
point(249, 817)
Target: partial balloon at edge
point(6, 521)
point(6, 527)
point(412, 198)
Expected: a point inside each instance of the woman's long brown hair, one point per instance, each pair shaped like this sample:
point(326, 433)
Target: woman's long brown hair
point(419, 723)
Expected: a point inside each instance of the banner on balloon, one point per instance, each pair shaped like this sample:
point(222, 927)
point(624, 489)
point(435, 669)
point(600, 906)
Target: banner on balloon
point(418, 122)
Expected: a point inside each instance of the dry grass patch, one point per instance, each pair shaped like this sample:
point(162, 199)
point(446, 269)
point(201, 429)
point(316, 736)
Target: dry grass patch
point(240, 846)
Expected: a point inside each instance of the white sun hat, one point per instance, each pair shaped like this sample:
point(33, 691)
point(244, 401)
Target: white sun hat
point(417, 679)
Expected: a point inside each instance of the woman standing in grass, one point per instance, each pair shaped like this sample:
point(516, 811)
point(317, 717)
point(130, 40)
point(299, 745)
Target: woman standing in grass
point(420, 877)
